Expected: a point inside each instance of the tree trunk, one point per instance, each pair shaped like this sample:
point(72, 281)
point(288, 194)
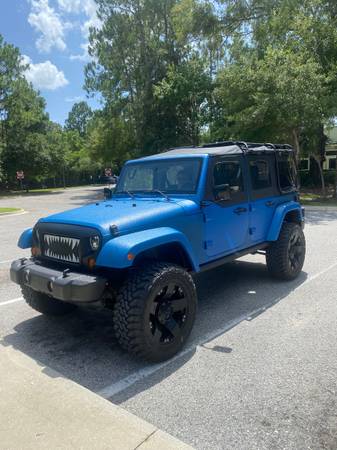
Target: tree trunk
point(335, 183)
point(319, 165)
point(64, 176)
point(296, 144)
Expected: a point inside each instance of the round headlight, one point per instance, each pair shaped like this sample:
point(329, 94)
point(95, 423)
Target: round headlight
point(94, 242)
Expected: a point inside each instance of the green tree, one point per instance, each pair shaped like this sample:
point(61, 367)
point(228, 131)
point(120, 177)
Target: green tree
point(133, 51)
point(79, 117)
point(110, 140)
point(183, 100)
point(282, 54)
point(275, 97)
point(11, 69)
point(25, 129)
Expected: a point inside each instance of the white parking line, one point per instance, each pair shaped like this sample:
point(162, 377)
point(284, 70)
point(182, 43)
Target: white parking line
point(9, 302)
point(119, 386)
point(6, 261)
point(128, 381)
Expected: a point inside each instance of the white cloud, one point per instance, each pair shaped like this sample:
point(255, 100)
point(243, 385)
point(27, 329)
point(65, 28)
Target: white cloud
point(44, 75)
point(70, 6)
point(89, 7)
point(48, 23)
point(84, 56)
point(75, 99)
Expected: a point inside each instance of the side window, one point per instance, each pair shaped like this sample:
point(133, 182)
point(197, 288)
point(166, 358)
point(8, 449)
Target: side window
point(227, 182)
point(228, 173)
point(260, 174)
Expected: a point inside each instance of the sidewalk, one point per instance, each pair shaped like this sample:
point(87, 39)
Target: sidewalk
point(40, 409)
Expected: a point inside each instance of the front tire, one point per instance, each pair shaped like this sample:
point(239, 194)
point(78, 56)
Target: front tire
point(44, 304)
point(155, 311)
point(285, 257)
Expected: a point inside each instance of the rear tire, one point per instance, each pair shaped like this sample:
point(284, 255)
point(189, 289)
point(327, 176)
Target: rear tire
point(44, 304)
point(155, 311)
point(285, 257)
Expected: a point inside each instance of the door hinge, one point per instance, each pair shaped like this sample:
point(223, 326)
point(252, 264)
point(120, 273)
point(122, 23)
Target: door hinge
point(252, 230)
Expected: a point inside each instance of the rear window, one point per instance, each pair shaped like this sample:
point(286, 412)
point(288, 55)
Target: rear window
point(287, 172)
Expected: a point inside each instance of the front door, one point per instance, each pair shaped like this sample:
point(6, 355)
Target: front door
point(226, 209)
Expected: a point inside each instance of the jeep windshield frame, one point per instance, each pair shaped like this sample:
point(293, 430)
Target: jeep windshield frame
point(161, 177)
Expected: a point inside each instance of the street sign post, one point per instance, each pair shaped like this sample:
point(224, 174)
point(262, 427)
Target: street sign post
point(20, 175)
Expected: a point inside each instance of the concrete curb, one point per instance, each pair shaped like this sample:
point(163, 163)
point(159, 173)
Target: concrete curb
point(16, 213)
point(40, 409)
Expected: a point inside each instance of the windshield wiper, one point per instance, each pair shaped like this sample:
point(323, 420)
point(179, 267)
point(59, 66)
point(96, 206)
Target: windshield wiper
point(149, 191)
point(126, 192)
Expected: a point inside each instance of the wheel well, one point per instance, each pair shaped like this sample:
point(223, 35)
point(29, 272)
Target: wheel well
point(293, 216)
point(172, 252)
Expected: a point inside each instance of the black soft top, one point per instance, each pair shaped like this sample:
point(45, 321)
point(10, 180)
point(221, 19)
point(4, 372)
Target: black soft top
point(227, 148)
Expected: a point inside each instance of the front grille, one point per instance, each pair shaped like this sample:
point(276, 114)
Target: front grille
point(61, 248)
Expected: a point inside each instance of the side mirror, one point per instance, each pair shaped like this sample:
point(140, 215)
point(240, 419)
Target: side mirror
point(222, 192)
point(107, 193)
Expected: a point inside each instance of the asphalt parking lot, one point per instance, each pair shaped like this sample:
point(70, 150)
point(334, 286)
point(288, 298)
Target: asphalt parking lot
point(259, 371)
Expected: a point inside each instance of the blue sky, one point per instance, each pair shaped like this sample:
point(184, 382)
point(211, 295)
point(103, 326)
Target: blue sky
point(53, 36)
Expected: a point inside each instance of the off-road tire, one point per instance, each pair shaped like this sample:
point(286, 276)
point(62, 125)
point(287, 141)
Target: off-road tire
point(44, 304)
point(136, 329)
point(279, 253)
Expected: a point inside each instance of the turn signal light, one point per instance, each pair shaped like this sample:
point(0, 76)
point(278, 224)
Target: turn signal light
point(91, 263)
point(35, 251)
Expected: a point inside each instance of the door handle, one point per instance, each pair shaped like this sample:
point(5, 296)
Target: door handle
point(240, 210)
point(270, 203)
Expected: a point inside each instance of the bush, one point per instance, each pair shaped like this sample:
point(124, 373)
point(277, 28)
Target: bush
point(329, 177)
point(306, 179)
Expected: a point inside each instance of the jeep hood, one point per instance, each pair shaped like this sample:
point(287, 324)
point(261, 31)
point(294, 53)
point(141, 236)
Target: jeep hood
point(128, 215)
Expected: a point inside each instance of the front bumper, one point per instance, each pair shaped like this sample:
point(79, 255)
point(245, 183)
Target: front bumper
point(66, 286)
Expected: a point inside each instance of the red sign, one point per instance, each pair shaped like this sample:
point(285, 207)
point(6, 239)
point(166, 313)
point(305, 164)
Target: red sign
point(108, 172)
point(20, 175)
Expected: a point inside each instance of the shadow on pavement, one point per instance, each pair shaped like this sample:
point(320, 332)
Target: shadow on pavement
point(82, 346)
point(227, 295)
point(90, 195)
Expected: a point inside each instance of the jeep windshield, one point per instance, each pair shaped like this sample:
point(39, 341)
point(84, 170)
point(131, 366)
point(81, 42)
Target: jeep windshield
point(160, 177)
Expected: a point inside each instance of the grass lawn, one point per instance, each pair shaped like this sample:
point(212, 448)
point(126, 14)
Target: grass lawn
point(311, 199)
point(39, 191)
point(30, 192)
point(322, 202)
point(9, 210)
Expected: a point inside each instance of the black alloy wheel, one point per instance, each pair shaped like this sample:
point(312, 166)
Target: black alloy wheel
point(296, 251)
point(285, 257)
point(168, 313)
point(155, 311)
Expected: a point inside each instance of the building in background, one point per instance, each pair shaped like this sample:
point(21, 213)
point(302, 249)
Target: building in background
point(331, 153)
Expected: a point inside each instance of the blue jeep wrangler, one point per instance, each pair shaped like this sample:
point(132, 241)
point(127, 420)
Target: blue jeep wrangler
point(170, 216)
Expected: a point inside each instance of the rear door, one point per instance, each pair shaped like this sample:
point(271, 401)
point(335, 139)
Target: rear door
point(226, 208)
point(264, 194)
